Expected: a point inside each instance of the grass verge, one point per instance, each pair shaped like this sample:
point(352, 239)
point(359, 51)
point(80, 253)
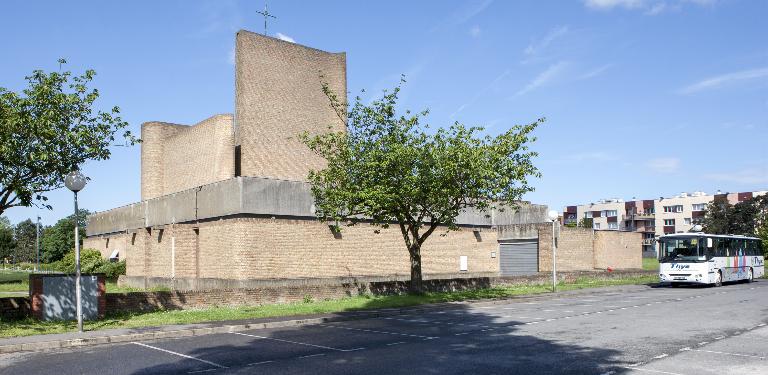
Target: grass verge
point(28, 327)
point(650, 264)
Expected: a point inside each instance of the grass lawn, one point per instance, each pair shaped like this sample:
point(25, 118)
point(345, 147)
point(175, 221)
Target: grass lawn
point(650, 264)
point(13, 281)
point(32, 327)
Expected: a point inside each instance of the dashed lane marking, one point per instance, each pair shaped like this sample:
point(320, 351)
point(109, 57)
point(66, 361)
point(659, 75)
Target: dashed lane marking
point(653, 371)
point(381, 332)
point(259, 363)
point(725, 353)
point(294, 342)
point(180, 355)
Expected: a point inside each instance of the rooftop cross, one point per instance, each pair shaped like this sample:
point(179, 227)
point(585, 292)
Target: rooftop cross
point(266, 15)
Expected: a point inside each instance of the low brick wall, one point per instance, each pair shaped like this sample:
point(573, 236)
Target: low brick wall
point(291, 291)
point(545, 278)
point(12, 308)
point(178, 300)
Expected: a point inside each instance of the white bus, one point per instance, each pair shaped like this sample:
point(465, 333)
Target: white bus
point(699, 258)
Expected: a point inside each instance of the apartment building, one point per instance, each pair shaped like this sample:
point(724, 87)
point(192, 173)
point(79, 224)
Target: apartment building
point(652, 217)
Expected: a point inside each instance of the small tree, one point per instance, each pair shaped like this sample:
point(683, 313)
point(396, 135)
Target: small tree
point(59, 239)
point(717, 217)
point(24, 237)
point(7, 244)
point(48, 130)
point(388, 169)
point(585, 223)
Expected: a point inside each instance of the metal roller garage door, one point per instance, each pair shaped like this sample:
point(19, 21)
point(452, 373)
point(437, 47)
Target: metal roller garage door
point(519, 258)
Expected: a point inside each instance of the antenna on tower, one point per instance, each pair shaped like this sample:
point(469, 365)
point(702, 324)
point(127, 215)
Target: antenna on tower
point(266, 15)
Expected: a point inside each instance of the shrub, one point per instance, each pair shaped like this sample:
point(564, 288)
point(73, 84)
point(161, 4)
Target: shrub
point(112, 269)
point(92, 262)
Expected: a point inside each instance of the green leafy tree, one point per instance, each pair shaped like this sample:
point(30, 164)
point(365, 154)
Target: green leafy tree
point(7, 244)
point(585, 223)
point(387, 168)
point(717, 217)
point(24, 235)
point(745, 218)
point(59, 239)
point(48, 130)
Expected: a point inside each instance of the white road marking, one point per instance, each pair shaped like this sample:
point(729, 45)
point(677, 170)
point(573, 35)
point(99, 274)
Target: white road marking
point(724, 353)
point(653, 371)
point(180, 355)
point(294, 342)
point(396, 343)
point(259, 363)
point(703, 343)
point(375, 331)
point(312, 355)
point(661, 356)
point(202, 371)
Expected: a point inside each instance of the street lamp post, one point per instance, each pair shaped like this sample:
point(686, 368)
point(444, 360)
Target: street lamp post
point(37, 245)
point(553, 217)
point(75, 181)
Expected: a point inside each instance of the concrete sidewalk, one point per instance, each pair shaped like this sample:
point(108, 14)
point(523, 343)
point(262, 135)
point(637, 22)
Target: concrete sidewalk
point(123, 335)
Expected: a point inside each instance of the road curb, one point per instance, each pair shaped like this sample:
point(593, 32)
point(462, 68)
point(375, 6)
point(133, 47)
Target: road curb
point(202, 331)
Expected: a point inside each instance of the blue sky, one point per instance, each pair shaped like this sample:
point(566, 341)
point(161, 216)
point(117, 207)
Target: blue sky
point(644, 98)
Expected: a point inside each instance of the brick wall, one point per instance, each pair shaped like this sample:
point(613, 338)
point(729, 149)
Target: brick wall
point(278, 95)
point(618, 250)
point(261, 248)
point(177, 157)
point(581, 249)
point(12, 308)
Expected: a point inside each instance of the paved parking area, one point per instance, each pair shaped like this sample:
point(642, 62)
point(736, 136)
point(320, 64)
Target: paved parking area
point(646, 330)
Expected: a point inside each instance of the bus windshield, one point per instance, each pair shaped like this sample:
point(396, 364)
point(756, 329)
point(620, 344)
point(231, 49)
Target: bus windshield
point(682, 250)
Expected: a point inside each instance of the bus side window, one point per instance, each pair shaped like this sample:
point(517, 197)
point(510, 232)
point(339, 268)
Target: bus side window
point(721, 250)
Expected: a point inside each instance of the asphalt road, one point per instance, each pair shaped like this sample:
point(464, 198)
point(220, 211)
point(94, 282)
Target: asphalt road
point(643, 331)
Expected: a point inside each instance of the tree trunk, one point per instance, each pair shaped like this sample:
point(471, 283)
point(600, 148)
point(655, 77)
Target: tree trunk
point(416, 285)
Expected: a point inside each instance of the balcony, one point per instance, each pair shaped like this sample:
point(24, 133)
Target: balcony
point(649, 241)
point(642, 216)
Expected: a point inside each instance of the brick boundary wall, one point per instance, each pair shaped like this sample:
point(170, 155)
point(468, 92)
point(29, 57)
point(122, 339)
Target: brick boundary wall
point(14, 308)
point(20, 307)
point(35, 299)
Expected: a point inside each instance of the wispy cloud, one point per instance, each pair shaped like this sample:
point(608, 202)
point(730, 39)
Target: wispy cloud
point(535, 47)
point(472, 9)
point(610, 4)
point(664, 165)
point(591, 156)
point(544, 78)
point(463, 14)
point(480, 93)
point(595, 72)
point(231, 56)
point(648, 7)
point(475, 31)
point(756, 176)
point(725, 79)
point(284, 37)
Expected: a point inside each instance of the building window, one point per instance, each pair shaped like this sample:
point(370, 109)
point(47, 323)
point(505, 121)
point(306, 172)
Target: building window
point(669, 222)
point(677, 208)
point(610, 213)
point(588, 215)
point(699, 207)
point(687, 221)
point(613, 225)
point(597, 226)
point(650, 211)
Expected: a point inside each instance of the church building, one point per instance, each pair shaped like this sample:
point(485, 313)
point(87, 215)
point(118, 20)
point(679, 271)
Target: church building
point(226, 200)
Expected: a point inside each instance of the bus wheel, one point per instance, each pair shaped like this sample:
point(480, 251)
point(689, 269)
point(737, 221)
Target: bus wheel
point(750, 276)
point(719, 279)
